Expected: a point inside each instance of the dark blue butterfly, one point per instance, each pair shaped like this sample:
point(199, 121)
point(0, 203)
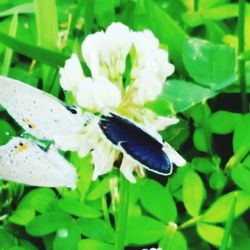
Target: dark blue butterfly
point(137, 143)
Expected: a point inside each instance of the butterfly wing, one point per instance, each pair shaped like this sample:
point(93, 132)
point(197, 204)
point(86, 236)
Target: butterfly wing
point(140, 145)
point(39, 113)
point(25, 162)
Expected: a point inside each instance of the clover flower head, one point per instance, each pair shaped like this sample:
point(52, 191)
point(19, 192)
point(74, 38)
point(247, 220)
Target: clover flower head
point(116, 91)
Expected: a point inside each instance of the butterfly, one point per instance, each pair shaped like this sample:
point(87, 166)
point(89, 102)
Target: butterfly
point(148, 150)
point(44, 117)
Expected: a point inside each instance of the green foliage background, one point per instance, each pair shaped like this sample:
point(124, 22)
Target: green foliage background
point(204, 205)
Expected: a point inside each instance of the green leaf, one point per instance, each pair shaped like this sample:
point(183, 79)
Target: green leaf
point(220, 209)
point(241, 137)
point(144, 230)
point(42, 55)
point(223, 122)
point(99, 190)
point(7, 240)
point(210, 233)
point(27, 245)
point(38, 199)
point(226, 237)
point(67, 237)
point(173, 36)
point(200, 113)
point(94, 245)
point(173, 93)
point(200, 139)
point(157, 201)
point(78, 208)
point(8, 52)
point(203, 165)
point(85, 172)
point(240, 235)
point(177, 134)
point(18, 9)
point(176, 181)
point(241, 177)
point(220, 12)
point(211, 65)
point(217, 180)
point(214, 32)
point(22, 216)
point(47, 223)
point(193, 193)
point(6, 132)
point(173, 240)
point(96, 229)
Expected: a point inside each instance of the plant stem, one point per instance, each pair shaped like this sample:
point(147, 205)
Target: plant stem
point(189, 222)
point(122, 213)
point(208, 136)
point(196, 5)
point(241, 38)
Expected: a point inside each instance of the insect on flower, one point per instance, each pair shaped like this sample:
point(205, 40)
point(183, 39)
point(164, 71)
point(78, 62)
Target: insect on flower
point(105, 136)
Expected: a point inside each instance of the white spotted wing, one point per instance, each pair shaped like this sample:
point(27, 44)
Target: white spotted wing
point(25, 162)
point(39, 113)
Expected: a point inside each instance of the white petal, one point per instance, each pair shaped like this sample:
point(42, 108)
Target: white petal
point(71, 74)
point(145, 43)
point(98, 94)
point(162, 122)
point(164, 68)
point(174, 156)
point(157, 123)
point(91, 47)
point(103, 157)
point(105, 53)
point(148, 87)
point(127, 167)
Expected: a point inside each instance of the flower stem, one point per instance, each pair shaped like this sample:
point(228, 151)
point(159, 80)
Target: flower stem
point(122, 214)
point(241, 38)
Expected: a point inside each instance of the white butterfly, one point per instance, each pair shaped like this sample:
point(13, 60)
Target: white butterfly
point(44, 117)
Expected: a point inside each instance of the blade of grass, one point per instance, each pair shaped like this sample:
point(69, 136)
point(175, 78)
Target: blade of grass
point(47, 33)
point(47, 23)
point(42, 55)
point(173, 35)
point(241, 38)
point(9, 52)
point(20, 9)
point(89, 17)
point(229, 224)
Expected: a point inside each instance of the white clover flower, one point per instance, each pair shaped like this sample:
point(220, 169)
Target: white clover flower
point(106, 53)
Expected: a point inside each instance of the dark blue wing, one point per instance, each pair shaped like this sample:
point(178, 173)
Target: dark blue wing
point(136, 142)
